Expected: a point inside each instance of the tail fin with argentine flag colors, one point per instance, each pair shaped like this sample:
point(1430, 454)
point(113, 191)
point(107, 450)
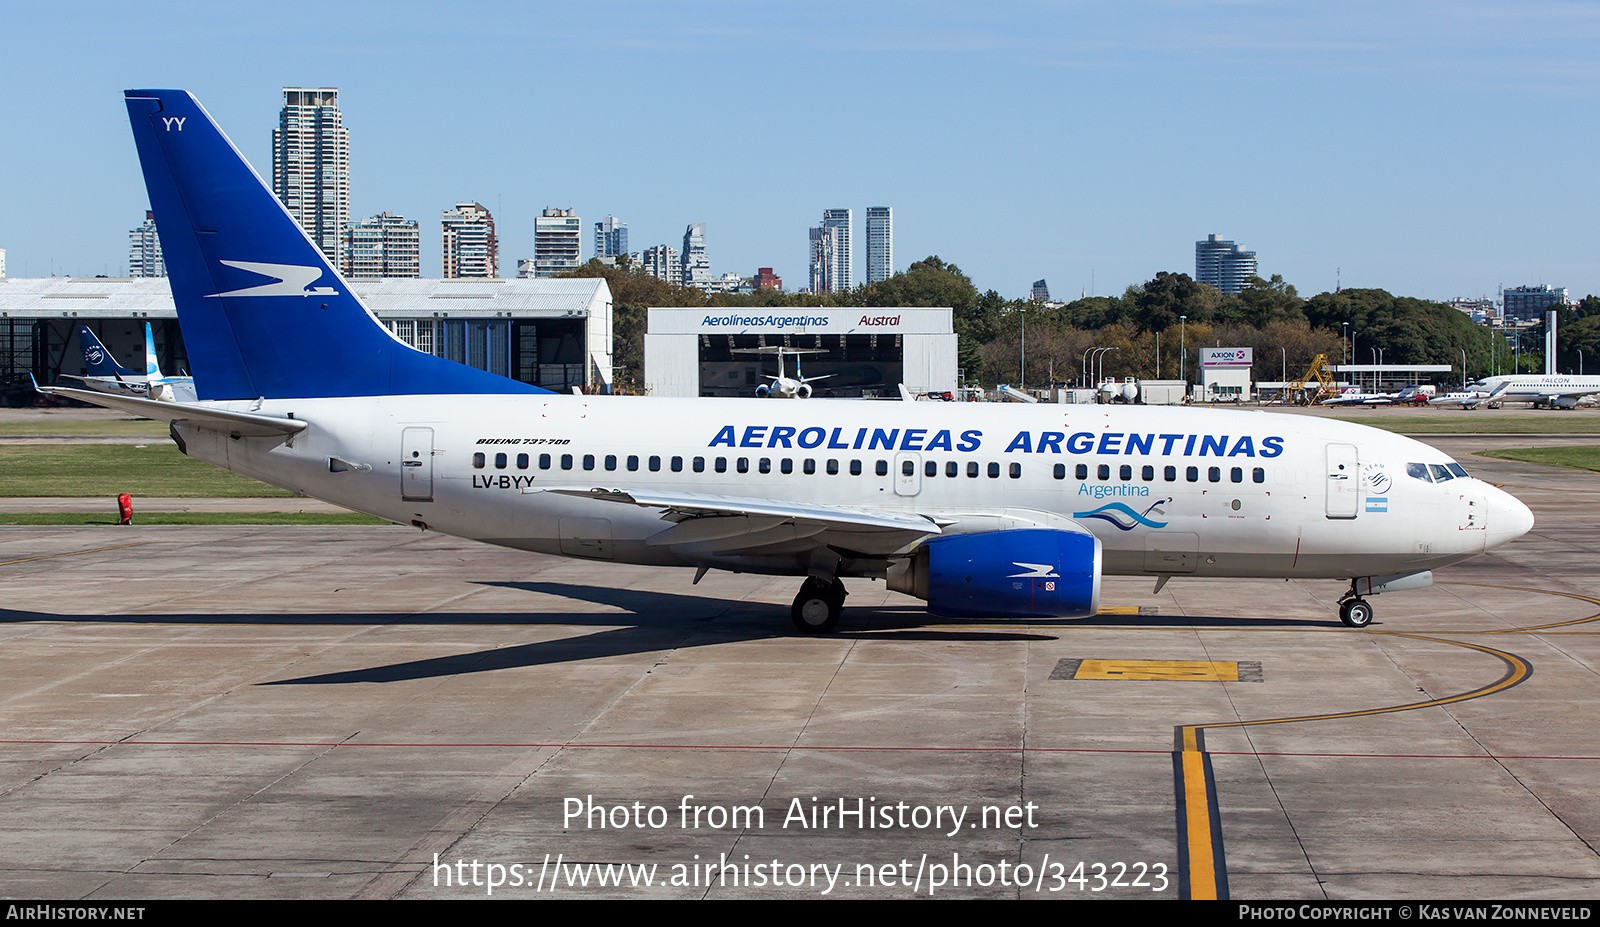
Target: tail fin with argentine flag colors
point(263, 313)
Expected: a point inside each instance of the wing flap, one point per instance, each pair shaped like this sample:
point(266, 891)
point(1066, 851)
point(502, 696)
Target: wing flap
point(733, 523)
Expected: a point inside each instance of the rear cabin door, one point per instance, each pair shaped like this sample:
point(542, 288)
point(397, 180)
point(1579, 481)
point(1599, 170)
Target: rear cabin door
point(416, 465)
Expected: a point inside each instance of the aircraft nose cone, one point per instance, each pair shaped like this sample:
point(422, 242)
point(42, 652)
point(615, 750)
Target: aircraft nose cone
point(1509, 519)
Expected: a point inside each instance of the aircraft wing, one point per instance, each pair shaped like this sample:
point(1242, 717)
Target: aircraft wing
point(730, 524)
point(249, 424)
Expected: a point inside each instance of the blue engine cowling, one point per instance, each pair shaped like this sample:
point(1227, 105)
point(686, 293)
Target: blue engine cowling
point(1025, 573)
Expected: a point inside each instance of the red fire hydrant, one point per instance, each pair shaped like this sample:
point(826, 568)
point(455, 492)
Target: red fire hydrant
point(125, 508)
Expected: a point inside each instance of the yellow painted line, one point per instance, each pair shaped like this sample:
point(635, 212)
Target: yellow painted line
point(1541, 627)
point(1119, 610)
point(72, 553)
point(1167, 670)
point(1197, 806)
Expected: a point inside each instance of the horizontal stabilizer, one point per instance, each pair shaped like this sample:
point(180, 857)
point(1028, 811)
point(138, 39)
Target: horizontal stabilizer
point(244, 424)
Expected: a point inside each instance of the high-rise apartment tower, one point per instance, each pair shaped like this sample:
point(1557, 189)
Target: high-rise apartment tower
point(385, 245)
point(470, 246)
point(1222, 264)
point(144, 250)
point(311, 165)
point(610, 238)
point(557, 242)
point(880, 243)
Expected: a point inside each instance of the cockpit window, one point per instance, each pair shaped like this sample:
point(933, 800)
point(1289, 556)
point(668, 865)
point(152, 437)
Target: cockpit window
point(1419, 471)
point(1441, 473)
point(1458, 470)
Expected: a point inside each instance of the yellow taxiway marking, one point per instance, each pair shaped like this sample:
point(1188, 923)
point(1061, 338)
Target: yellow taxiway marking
point(1169, 670)
point(1201, 820)
point(1119, 610)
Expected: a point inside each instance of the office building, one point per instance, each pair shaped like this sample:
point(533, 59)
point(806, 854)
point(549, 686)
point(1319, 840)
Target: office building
point(311, 165)
point(385, 245)
point(557, 242)
point(1528, 303)
point(696, 266)
point(662, 263)
point(470, 246)
point(765, 279)
point(144, 250)
point(880, 243)
point(1040, 292)
point(610, 239)
point(1222, 265)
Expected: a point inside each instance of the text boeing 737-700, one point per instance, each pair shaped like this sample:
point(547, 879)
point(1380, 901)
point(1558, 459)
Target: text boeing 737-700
point(992, 511)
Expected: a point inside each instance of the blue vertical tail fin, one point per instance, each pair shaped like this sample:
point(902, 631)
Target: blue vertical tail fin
point(263, 313)
point(97, 361)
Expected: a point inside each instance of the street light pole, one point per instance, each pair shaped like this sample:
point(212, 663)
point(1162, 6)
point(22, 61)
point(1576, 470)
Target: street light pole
point(1022, 378)
point(1183, 351)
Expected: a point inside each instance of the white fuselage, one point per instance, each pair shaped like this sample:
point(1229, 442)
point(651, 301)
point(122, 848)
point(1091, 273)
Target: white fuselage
point(1548, 389)
point(1167, 491)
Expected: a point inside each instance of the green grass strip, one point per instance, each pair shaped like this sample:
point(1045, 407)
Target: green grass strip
point(156, 469)
point(79, 428)
point(194, 518)
point(1577, 458)
point(1451, 422)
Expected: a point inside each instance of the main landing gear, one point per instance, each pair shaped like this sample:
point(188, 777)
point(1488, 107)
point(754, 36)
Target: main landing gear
point(816, 609)
point(1355, 611)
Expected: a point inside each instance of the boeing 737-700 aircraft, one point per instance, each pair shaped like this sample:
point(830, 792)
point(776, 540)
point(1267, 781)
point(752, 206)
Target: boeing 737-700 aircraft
point(992, 511)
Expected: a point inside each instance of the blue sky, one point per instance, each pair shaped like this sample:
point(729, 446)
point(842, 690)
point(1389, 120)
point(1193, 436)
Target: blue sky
point(1432, 149)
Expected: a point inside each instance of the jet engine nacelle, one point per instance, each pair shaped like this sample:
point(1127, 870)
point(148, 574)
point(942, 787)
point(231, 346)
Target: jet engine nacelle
point(1023, 573)
point(804, 392)
point(763, 392)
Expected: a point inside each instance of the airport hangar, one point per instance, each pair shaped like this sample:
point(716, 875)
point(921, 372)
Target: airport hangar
point(554, 333)
point(861, 352)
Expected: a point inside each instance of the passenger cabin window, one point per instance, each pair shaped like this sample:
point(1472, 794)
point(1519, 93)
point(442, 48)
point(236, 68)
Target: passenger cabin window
point(994, 470)
point(544, 461)
point(855, 468)
point(883, 468)
point(655, 464)
point(633, 462)
point(611, 461)
point(566, 461)
point(1061, 471)
point(677, 465)
point(809, 466)
point(1016, 471)
point(478, 461)
point(588, 461)
point(500, 461)
point(522, 461)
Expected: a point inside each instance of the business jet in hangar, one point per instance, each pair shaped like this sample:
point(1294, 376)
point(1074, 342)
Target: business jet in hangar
point(991, 511)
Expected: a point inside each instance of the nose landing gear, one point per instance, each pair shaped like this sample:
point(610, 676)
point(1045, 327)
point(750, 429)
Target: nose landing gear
point(1355, 611)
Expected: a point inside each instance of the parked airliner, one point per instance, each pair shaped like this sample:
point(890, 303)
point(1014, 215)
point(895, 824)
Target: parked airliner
point(993, 511)
point(107, 376)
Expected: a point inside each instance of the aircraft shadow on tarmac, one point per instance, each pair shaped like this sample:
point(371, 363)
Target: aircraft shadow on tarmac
point(654, 621)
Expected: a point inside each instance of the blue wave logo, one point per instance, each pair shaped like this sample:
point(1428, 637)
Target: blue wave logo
point(1124, 518)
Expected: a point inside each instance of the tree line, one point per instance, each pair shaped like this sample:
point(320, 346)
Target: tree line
point(1156, 326)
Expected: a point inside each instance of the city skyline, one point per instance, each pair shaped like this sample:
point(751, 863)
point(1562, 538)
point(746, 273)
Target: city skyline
point(1087, 198)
